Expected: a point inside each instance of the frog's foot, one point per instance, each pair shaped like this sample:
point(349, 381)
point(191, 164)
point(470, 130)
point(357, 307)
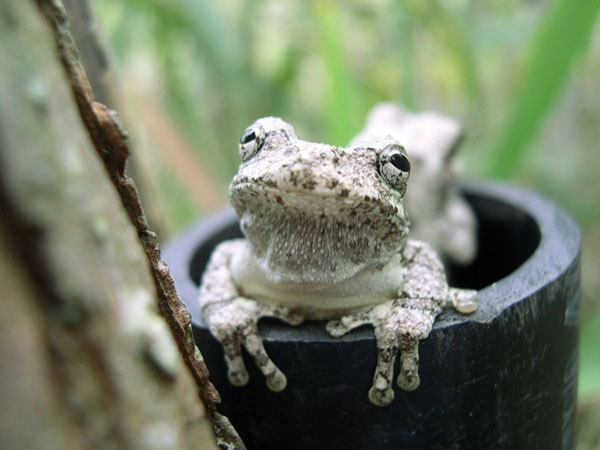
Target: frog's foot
point(381, 393)
point(234, 324)
point(399, 325)
point(463, 300)
point(401, 329)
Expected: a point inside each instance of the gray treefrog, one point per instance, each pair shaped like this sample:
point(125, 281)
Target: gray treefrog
point(327, 239)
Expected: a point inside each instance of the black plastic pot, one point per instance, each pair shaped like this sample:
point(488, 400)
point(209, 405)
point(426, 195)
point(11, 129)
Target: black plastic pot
point(502, 378)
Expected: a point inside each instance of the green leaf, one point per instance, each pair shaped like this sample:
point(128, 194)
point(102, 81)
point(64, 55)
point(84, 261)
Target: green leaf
point(563, 34)
point(343, 114)
point(589, 355)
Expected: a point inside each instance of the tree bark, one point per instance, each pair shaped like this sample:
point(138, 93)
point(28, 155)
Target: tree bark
point(87, 359)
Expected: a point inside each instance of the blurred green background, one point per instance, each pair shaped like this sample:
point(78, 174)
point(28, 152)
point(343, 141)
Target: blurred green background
point(523, 76)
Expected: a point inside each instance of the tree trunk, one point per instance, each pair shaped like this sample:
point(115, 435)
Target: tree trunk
point(87, 359)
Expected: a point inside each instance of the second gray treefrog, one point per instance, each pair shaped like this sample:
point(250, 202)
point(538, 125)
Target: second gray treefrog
point(438, 214)
point(326, 238)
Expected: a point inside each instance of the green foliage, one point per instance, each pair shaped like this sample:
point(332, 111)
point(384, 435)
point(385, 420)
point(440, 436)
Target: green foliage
point(180, 211)
point(562, 35)
point(590, 356)
point(343, 111)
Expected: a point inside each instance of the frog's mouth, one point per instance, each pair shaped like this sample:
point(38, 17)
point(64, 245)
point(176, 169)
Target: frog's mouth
point(256, 198)
point(307, 206)
point(252, 197)
point(309, 193)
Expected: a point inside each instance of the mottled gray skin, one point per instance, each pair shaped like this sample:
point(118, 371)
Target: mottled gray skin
point(326, 238)
point(439, 215)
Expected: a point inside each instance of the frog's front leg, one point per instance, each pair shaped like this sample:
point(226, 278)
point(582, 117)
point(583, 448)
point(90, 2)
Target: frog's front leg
point(399, 325)
point(232, 319)
point(402, 322)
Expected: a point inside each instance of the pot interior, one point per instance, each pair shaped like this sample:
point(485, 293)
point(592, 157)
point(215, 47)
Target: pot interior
point(507, 237)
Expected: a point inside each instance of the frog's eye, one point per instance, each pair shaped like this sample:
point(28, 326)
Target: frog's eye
point(251, 141)
point(394, 167)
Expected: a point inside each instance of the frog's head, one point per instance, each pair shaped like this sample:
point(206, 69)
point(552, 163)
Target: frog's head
point(304, 204)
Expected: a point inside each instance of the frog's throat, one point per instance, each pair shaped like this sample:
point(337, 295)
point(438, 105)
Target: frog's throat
point(301, 248)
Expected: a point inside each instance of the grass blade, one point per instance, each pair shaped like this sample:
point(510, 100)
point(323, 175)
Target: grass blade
point(563, 33)
point(343, 114)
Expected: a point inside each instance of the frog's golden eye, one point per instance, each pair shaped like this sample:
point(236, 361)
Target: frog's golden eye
point(251, 141)
point(394, 167)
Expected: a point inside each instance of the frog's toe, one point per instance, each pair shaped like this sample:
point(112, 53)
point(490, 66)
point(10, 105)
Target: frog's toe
point(463, 300)
point(381, 397)
point(338, 328)
point(238, 377)
point(275, 378)
point(381, 393)
point(236, 370)
point(335, 328)
point(288, 315)
point(408, 380)
point(276, 381)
